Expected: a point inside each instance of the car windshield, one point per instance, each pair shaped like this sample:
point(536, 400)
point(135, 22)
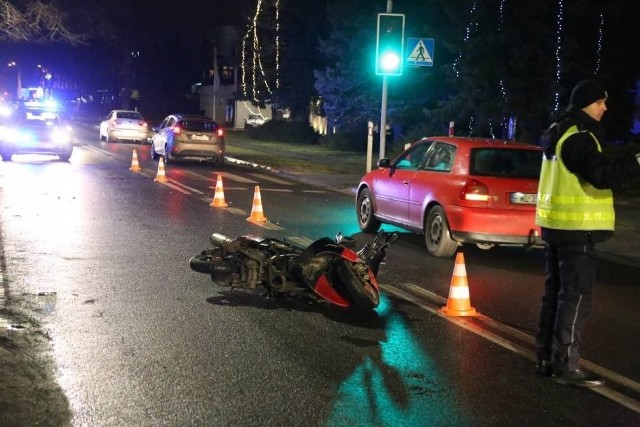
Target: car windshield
point(513, 163)
point(129, 115)
point(198, 125)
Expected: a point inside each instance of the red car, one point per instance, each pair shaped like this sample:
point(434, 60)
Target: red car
point(456, 190)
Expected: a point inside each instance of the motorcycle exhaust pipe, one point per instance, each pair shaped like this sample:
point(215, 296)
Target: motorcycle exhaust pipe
point(219, 239)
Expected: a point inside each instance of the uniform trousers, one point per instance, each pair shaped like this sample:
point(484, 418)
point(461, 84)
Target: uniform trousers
point(566, 304)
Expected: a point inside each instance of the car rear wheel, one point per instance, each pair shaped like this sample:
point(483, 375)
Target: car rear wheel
point(364, 211)
point(64, 157)
point(436, 234)
point(152, 152)
point(6, 156)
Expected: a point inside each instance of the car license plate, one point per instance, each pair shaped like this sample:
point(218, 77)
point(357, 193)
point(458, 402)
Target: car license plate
point(524, 198)
point(196, 137)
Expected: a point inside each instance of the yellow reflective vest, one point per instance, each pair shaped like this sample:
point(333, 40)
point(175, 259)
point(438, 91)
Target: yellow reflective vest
point(566, 202)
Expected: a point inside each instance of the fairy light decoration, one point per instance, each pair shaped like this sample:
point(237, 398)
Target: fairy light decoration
point(599, 45)
point(255, 77)
point(470, 27)
point(559, 28)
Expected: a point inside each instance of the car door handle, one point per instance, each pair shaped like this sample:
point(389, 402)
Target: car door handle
point(405, 182)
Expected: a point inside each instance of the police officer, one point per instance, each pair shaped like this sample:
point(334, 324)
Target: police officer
point(575, 211)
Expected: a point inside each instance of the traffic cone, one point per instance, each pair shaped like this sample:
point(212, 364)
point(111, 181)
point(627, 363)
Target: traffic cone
point(256, 211)
point(135, 166)
point(161, 177)
point(218, 198)
point(458, 303)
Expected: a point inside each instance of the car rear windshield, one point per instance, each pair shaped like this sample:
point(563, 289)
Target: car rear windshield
point(36, 118)
point(129, 115)
point(198, 125)
point(513, 163)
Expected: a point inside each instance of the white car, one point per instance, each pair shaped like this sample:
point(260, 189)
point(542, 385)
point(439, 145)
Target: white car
point(122, 125)
point(254, 120)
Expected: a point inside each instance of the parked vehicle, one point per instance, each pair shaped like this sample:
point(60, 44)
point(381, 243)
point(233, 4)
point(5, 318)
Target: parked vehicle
point(254, 120)
point(35, 128)
point(124, 125)
point(188, 137)
point(456, 190)
point(329, 268)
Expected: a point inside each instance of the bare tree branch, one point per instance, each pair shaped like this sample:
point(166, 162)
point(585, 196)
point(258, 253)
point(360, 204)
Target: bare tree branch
point(36, 22)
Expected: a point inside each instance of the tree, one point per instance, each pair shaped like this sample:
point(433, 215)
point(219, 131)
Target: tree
point(495, 61)
point(347, 86)
point(36, 21)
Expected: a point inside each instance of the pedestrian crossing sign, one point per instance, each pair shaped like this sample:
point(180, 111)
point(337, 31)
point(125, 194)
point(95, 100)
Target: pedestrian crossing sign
point(420, 52)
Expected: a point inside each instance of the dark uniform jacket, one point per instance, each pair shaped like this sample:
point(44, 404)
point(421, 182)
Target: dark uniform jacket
point(607, 169)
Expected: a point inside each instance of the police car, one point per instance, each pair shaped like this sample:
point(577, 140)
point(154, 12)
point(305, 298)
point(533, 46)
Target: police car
point(35, 128)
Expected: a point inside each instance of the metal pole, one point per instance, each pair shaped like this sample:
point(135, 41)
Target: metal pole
point(383, 118)
point(383, 108)
point(213, 86)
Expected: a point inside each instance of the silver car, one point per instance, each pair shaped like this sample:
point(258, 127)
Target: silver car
point(188, 137)
point(122, 125)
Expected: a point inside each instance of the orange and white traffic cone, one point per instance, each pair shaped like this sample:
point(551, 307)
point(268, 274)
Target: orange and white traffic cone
point(161, 177)
point(459, 303)
point(218, 198)
point(257, 214)
point(135, 166)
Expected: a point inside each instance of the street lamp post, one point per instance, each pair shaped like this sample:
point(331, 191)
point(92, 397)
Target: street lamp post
point(13, 64)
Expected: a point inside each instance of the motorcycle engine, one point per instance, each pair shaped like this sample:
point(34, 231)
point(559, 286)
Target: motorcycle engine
point(251, 267)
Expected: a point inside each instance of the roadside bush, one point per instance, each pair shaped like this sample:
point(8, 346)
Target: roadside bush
point(286, 131)
point(348, 141)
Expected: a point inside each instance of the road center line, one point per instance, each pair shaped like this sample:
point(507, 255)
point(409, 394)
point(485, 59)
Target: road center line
point(476, 327)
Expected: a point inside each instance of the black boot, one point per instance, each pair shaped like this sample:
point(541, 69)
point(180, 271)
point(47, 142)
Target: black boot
point(544, 368)
point(577, 378)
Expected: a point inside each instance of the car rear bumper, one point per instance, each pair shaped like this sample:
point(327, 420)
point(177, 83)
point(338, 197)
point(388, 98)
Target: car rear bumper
point(197, 151)
point(35, 148)
point(495, 226)
point(129, 134)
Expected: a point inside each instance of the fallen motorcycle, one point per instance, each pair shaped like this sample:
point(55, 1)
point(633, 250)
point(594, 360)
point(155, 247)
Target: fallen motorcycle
point(332, 269)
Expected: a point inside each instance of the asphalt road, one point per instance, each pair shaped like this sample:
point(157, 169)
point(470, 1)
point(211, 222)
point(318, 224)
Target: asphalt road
point(95, 254)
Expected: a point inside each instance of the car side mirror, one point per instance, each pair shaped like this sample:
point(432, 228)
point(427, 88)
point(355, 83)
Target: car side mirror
point(384, 163)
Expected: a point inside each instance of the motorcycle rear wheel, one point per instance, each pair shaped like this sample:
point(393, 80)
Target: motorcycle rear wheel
point(362, 294)
point(211, 264)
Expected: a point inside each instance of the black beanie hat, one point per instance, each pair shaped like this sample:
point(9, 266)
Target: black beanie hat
point(586, 93)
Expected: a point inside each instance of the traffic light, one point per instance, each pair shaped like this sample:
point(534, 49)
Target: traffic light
point(390, 44)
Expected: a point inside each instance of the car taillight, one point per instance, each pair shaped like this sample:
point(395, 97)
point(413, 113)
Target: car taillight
point(220, 132)
point(475, 191)
point(118, 121)
point(142, 123)
point(176, 130)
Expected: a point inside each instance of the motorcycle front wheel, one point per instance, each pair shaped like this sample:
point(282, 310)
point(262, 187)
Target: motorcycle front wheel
point(362, 294)
point(213, 264)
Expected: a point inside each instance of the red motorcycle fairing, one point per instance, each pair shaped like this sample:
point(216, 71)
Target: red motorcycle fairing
point(316, 274)
point(324, 289)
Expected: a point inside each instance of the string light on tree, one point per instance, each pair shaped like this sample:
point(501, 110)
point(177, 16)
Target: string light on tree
point(470, 27)
point(559, 23)
point(254, 53)
point(599, 45)
point(501, 14)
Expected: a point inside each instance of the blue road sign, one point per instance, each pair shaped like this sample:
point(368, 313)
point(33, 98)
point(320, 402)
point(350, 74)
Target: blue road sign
point(420, 52)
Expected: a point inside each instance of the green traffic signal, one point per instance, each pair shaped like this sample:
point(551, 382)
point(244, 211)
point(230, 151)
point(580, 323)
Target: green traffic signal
point(389, 44)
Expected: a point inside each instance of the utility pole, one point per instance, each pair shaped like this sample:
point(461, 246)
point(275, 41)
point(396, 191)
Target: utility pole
point(214, 81)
